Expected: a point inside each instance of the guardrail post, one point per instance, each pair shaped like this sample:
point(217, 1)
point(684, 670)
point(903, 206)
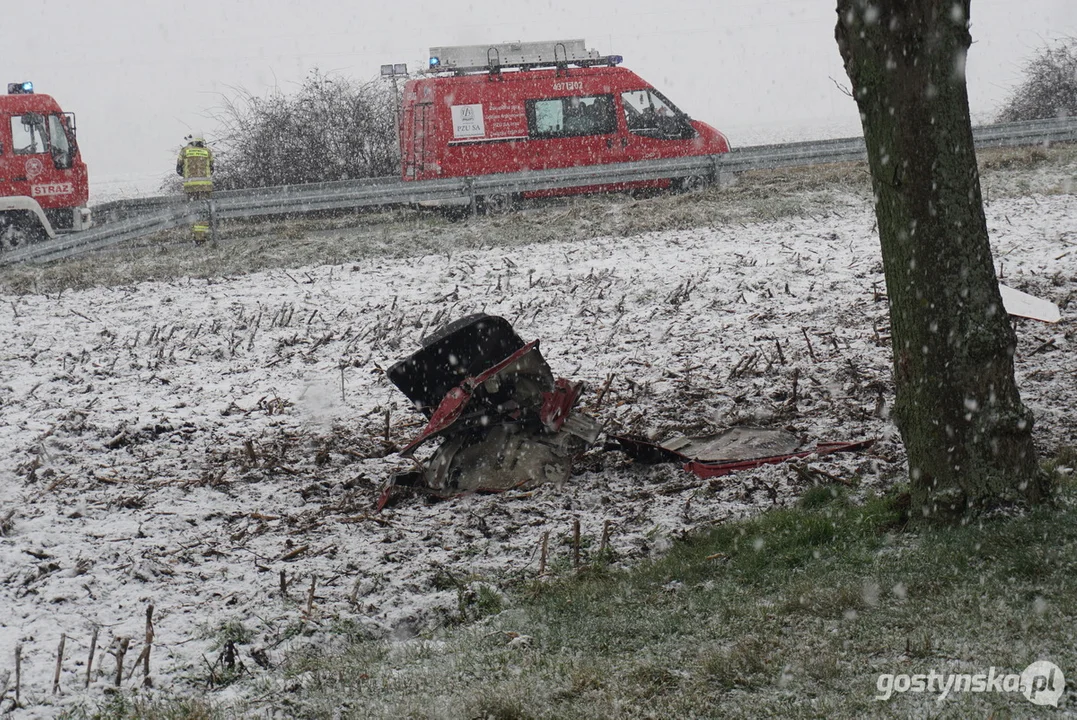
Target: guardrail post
point(212, 220)
point(716, 170)
point(469, 185)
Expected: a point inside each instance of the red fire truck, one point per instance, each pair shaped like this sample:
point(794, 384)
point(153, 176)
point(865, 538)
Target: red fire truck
point(519, 106)
point(43, 181)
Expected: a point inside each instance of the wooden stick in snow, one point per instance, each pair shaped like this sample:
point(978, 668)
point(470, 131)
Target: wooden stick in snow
point(295, 553)
point(147, 681)
point(59, 664)
point(18, 672)
point(89, 662)
point(605, 538)
point(545, 550)
point(602, 392)
point(807, 339)
point(310, 595)
point(576, 543)
point(121, 650)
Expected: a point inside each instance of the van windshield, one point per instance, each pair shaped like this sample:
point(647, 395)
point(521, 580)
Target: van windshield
point(651, 114)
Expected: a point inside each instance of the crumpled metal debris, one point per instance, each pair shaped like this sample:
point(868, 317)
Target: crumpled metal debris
point(504, 420)
point(737, 448)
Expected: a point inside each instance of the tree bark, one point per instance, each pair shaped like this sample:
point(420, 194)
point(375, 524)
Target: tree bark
point(966, 432)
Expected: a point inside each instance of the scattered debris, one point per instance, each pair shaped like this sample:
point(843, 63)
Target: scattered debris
point(737, 448)
point(505, 423)
point(1022, 304)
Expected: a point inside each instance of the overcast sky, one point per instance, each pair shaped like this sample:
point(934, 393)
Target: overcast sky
point(140, 75)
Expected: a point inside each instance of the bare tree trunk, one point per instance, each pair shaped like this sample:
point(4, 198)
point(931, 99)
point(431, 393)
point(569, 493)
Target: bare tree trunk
point(966, 432)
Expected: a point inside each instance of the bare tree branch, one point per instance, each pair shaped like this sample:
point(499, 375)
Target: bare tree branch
point(1050, 86)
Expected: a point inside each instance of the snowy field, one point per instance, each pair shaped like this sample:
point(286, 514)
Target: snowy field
point(184, 443)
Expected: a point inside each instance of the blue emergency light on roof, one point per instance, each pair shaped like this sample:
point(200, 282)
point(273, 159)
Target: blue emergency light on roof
point(434, 62)
point(616, 59)
point(23, 88)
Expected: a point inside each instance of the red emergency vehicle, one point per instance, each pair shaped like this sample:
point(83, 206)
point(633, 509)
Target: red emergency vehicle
point(43, 181)
point(519, 106)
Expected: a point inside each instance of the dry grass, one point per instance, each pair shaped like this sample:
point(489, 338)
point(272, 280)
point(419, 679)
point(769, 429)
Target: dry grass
point(730, 640)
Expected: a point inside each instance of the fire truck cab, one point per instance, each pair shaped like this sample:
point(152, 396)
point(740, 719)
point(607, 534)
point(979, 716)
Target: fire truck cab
point(518, 106)
point(43, 181)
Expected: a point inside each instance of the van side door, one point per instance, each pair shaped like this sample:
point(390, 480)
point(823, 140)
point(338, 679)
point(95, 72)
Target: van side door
point(572, 130)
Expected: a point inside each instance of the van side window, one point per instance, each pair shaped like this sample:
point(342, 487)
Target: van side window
point(570, 116)
point(649, 114)
point(28, 136)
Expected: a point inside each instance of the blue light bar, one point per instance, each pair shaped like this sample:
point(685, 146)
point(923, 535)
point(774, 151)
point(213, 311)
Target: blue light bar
point(435, 61)
point(23, 88)
point(616, 59)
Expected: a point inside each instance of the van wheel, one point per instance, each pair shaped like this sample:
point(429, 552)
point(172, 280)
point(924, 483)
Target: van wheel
point(498, 204)
point(692, 183)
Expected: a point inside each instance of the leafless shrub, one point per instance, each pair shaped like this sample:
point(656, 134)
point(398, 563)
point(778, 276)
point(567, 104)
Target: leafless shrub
point(333, 128)
point(1050, 86)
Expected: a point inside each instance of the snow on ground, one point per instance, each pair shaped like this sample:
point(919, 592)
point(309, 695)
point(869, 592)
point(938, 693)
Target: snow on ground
point(184, 443)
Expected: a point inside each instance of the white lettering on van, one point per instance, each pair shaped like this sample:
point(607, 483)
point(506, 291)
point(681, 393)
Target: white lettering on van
point(568, 86)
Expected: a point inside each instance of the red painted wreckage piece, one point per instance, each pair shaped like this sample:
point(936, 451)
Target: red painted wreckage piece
point(735, 458)
point(705, 469)
point(531, 119)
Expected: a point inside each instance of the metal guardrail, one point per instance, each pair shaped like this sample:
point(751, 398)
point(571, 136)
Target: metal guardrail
point(155, 214)
point(116, 210)
point(74, 244)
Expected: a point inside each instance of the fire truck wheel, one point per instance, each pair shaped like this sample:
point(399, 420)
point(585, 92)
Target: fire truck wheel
point(20, 229)
point(34, 234)
point(692, 183)
point(498, 204)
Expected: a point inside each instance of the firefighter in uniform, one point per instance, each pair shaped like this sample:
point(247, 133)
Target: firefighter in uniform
point(195, 166)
